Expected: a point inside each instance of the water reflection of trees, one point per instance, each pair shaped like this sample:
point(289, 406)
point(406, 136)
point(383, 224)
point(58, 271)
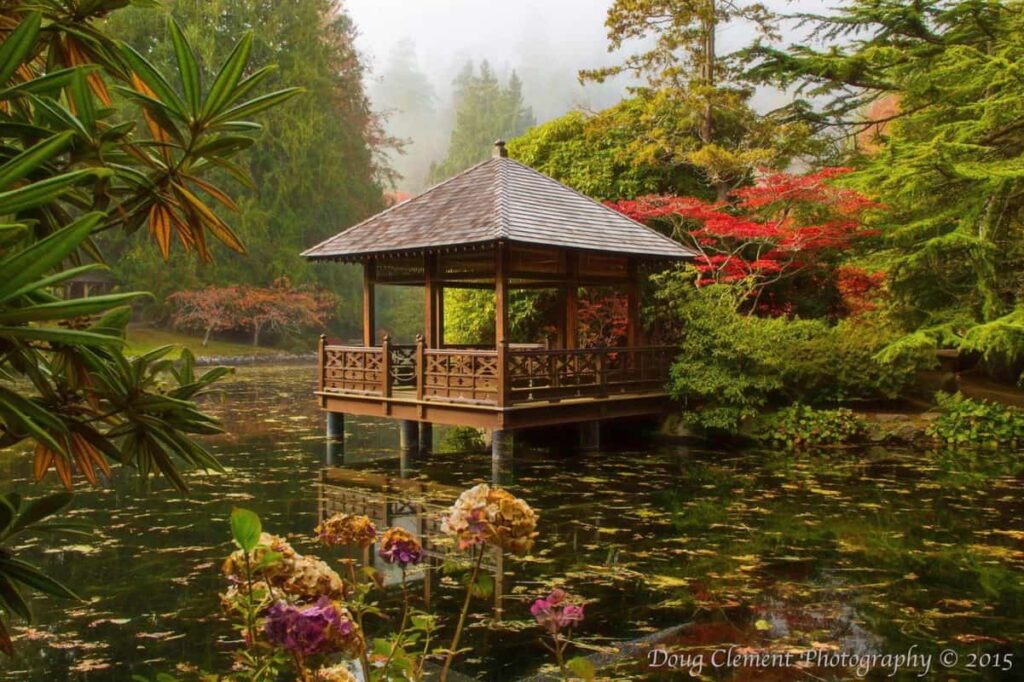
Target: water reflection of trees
point(413, 505)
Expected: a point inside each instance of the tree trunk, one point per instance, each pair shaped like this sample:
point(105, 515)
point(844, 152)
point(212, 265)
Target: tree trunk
point(206, 336)
point(707, 123)
point(256, 334)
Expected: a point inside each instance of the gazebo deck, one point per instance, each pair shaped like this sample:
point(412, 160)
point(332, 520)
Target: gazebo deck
point(497, 388)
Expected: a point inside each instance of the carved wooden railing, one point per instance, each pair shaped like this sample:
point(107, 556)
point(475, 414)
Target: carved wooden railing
point(353, 369)
point(460, 376)
point(586, 372)
point(500, 377)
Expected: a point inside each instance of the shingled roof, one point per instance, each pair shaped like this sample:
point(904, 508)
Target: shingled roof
point(497, 200)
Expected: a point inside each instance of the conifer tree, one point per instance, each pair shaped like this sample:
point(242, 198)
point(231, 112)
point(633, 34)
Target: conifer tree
point(946, 157)
point(484, 111)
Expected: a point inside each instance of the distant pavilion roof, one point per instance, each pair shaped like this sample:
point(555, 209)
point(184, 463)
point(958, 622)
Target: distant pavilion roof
point(497, 200)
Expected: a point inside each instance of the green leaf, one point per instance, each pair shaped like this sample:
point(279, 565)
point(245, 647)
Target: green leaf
point(12, 234)
point(40, 509)
point(70, 337)
point(43, 192)
point(32, 158)
point(256, 105)
point(156, 82)
point(27, 574)
point(56, 278)
point(63, 310)
point(581, 668)
point(228, 77)
point(8, 512)
point(34, 418)
point(245, 528)
point(81, 95)
point(18, 44)
point(11, 598)
point(26, 266)
point(49, 83)
point(187, 67)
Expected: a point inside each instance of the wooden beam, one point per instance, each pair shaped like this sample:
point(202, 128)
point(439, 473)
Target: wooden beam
point(572, 300)
point(369, 304)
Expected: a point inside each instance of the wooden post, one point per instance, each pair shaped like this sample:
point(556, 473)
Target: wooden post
point(439, 317)
point(420, 367)
point(504, 384)
point(602, 371)
point(430, 300)
point(501, 319)
point(369, 304)
point(633, 306)
point(321, 343)
point(385, 367)
point(500, 294)
point(572, 300)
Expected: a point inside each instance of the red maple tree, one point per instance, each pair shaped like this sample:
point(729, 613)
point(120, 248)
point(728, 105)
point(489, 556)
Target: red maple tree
point(280, 307)
point(781, 226)
point(603, 319)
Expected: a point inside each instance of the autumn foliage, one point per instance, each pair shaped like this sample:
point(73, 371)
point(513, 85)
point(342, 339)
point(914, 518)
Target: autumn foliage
point(782, 226)
point(280, 307)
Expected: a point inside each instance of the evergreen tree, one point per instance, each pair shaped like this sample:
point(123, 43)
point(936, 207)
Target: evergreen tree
point(316, 168)
point(484, 111)
point(714, 130)
point(407, 101)
point(946, 157)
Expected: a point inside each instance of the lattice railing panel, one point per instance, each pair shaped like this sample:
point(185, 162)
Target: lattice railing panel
point(349, 369)
point(460, 376)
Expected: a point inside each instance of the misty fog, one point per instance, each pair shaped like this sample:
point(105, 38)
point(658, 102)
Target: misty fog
point(415, 48)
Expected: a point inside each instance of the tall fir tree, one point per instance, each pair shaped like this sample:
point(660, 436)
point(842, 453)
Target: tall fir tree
point(484, 111)
point(945, 154)
point(406, 98)
point(714, 130)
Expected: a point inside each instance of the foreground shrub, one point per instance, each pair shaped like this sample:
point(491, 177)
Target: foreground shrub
point(801, 426)
point(963, 421)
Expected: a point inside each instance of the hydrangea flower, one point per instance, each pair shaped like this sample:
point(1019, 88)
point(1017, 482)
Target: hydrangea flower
point(334, 673)
point(325, 627)
point(347, 529)
point(555, 612)
point(399, 546)
point(494, 516)
point(303, 577)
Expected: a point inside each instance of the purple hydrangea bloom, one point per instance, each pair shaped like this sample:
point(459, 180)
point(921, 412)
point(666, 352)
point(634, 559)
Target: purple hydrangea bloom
point(317, 629)
point(398, 546)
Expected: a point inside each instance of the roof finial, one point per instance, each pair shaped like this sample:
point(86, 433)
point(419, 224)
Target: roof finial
point(499, 150)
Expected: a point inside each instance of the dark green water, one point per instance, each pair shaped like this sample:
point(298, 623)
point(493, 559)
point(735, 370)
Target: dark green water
point(865, 552)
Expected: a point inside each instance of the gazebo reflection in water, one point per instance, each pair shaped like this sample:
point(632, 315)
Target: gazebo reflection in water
point(413, 505)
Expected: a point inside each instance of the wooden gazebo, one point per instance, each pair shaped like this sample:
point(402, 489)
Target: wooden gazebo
point(499, 225)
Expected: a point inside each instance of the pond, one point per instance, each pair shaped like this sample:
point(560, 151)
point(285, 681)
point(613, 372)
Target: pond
point(861, 552)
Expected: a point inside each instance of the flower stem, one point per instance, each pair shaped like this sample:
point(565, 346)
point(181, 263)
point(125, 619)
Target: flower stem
point(250, 620)
point(400, 637)
point(462, 615)
point(357, 609)
point(560, 657)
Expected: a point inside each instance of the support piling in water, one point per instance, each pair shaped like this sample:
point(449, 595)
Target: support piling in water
point(502, 452)
point(426, 438)
point(590, 435)
point(408, 436)
point(336, 426)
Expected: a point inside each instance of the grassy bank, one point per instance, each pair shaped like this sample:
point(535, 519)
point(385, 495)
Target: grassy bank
point(142, 339)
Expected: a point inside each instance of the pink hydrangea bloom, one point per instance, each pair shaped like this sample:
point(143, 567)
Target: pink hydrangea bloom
point(555, 612)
